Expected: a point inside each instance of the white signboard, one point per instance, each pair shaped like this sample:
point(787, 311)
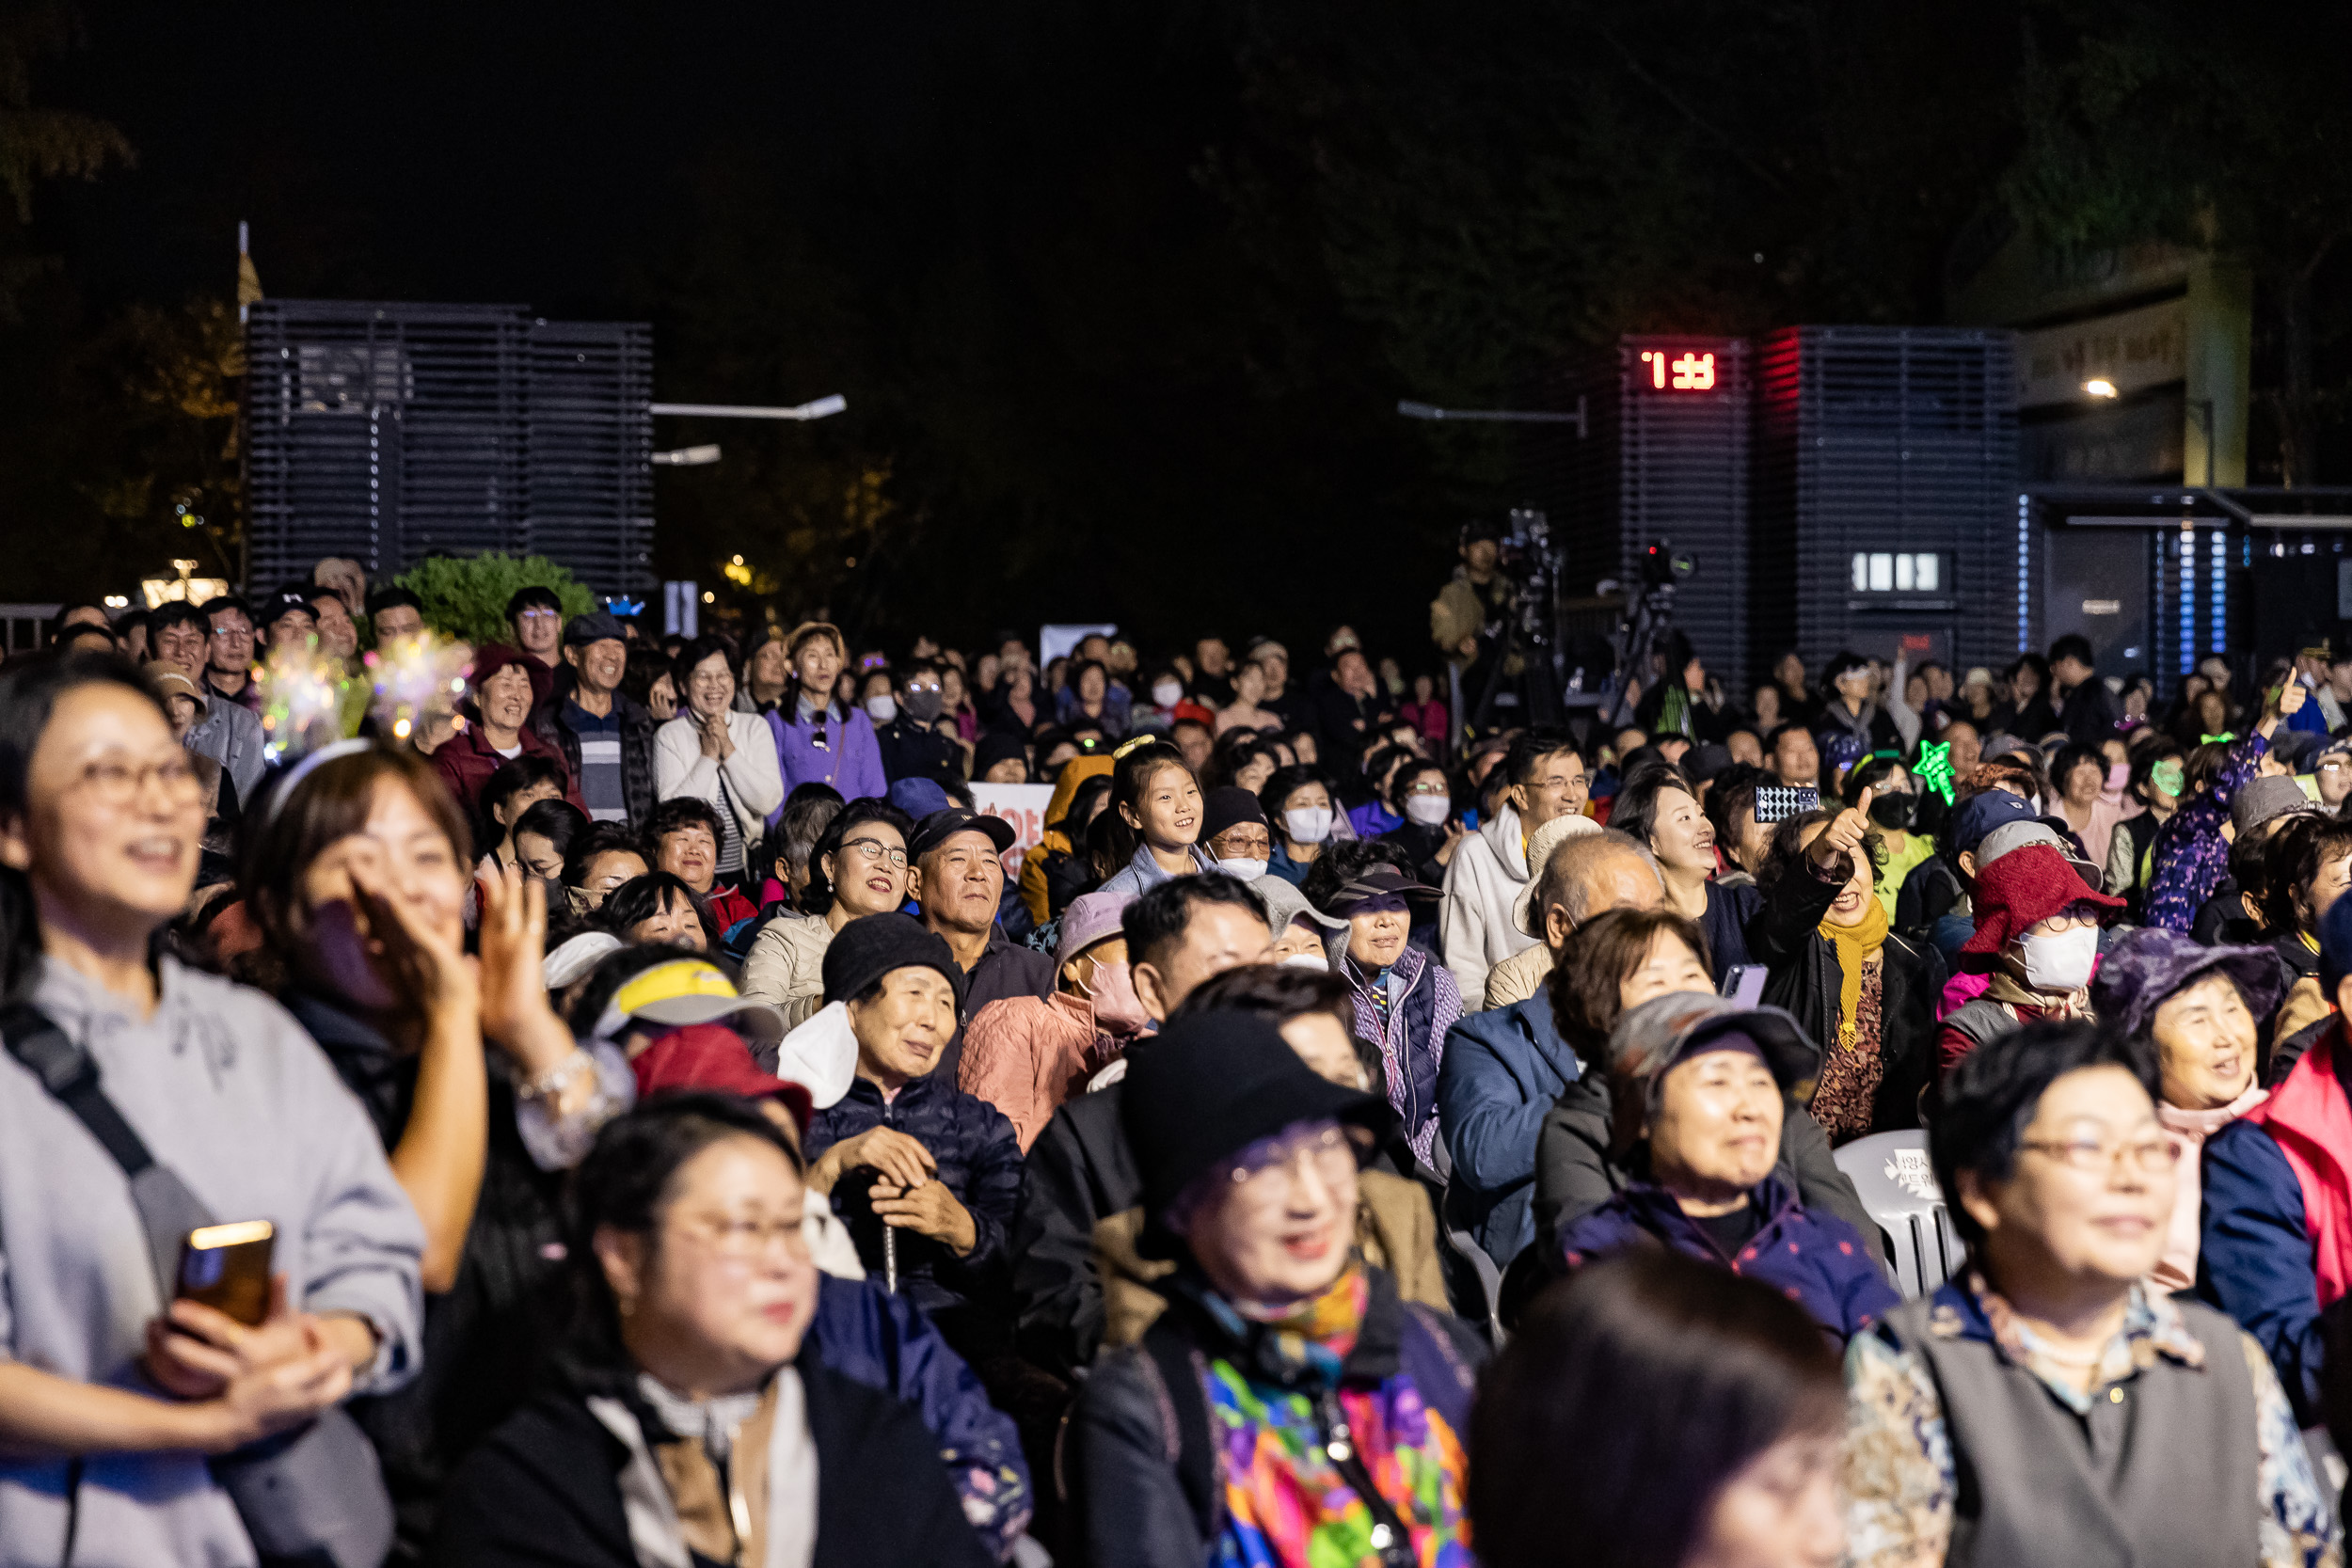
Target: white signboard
point(1054, 641)
point(1024, 806)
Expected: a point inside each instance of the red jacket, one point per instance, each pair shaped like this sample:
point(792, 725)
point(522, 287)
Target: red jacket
point(466, 762)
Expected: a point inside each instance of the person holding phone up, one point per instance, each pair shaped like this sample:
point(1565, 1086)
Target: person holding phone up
point(111, 1397)
point(1866, 993)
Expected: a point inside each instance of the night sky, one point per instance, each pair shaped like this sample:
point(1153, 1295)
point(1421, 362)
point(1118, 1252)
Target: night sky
point(1122, 297)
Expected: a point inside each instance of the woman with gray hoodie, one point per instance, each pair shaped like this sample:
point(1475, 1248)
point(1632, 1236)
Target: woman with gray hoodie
point(113, 1396)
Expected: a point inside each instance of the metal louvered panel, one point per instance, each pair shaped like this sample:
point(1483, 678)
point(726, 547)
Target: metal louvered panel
point(591, 491)
point(1651, 464)
point(390, 433)
point(1683, 479)
point(1886, 441)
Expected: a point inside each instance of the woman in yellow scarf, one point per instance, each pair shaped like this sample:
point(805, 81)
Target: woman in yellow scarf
point(1867, 994)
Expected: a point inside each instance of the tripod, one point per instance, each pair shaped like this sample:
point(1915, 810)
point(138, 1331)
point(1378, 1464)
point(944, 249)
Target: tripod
point(1644, 627)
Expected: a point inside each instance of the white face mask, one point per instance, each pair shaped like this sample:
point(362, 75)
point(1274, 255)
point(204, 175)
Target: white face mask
point(1307, 824)
point(1167, 693)
point(1307, 961)
point(1428, 809)
point(881, 709)
point(1249, 871)
point(2060, 962)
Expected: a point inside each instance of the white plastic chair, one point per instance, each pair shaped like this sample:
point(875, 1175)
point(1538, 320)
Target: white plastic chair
point(1897, 1185)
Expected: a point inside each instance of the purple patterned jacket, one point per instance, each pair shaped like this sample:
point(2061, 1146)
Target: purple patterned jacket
point(2190, 858)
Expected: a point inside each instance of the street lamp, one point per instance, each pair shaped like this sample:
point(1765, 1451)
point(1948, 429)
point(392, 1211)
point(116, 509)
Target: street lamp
point(2100, 386)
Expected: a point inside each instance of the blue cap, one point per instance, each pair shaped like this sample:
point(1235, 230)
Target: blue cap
point(1983, 812)
point(918, 797)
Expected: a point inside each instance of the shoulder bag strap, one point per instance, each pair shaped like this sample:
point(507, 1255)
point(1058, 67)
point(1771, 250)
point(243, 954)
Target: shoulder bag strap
point(168, 1210)
point(1172, 1359)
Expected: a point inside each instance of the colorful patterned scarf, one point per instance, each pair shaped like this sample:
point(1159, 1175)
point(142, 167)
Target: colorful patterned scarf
point(1286, 1504)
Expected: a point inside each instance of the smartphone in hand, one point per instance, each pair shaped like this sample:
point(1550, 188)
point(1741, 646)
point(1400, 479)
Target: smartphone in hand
point(227, 1268)
point(1779, 802)
point(1744, 984)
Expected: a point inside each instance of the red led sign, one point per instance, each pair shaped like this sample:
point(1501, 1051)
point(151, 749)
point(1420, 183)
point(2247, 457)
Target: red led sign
point(1687, 372)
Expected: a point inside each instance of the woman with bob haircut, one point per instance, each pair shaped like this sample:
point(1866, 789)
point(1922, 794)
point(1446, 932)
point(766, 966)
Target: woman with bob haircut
point(2044, 1405)
point(1705, 1412)
point(857, 867)
point(684, 1423)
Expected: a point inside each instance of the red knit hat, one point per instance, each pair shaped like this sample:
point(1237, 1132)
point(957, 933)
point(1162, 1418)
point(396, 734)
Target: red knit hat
point(2027, 886)
point(713, 1056)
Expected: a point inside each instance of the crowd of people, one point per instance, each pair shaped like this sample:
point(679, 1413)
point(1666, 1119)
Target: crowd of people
point(685, 1129)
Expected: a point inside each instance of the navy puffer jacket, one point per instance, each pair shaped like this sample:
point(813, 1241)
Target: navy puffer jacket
point(978, 1159)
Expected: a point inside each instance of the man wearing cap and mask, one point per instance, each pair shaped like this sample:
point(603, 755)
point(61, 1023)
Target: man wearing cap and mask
point(606, 736)
point(910, 748)
point(1503, 1068)
point(958, 884)
point(1025, 1055)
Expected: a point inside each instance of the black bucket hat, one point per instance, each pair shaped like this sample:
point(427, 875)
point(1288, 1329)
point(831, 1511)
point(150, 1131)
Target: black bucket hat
point(1208, 1087)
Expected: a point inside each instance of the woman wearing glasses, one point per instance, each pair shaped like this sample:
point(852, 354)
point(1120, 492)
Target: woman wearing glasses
point(858, 867)
point(111, 1394)
point(685, 1423)
point(2047, 1405)
point(714, 753)
point(1288, 1408)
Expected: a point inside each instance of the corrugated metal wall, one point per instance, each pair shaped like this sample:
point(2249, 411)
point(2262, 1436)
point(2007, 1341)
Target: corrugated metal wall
point(1895, 439)
point(392, 431)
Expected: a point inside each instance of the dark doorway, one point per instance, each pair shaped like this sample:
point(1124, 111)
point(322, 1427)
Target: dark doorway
point(2099, 586)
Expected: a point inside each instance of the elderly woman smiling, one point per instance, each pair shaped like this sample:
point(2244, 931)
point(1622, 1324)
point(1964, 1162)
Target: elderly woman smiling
point(2199, 1005)
point(2046, 1406)
point(1316, 1418)
point(904, 1153)
point(1698, 1082)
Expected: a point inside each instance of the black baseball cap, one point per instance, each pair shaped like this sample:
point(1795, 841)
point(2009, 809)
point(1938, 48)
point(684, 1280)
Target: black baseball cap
point(941, 826)
point(274, 608)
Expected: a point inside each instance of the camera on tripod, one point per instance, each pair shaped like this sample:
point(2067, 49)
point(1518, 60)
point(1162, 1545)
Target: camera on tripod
point(1648, 620)
point(1662, 565)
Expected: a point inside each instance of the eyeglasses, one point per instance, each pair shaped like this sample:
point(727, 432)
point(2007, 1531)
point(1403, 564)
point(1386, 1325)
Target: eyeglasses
point(745, 1241)
point(875, 850)
point(539, 615)
point(1263, 1172)
point(232, 633)
point(116, 785)
point(2151, 1156)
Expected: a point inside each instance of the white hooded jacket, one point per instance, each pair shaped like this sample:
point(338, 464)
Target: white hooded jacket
point(1475, 924)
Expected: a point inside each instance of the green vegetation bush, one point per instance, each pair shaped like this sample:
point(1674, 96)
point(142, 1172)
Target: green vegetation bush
point(467, 598)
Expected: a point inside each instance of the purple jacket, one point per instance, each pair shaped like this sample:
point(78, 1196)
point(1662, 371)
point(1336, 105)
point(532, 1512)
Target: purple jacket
point(2189, 857)
point(850, 759)
point(1816, 1260)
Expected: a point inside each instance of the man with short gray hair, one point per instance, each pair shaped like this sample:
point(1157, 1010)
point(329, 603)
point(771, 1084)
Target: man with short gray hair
point(1504, 1067)
point(1585, 876)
